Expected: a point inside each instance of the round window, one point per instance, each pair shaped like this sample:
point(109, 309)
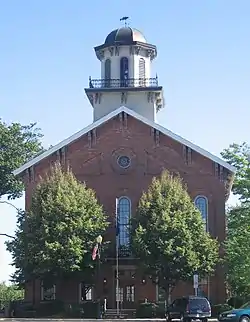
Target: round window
point(123, 161)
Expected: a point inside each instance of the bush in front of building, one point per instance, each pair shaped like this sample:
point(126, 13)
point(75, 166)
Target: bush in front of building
point(219, 308)
point(160, 310)
point(151, 310)
point(236, 301)
point(49, 308)
point(146, 310)
point(22, 309)
point(87, 309)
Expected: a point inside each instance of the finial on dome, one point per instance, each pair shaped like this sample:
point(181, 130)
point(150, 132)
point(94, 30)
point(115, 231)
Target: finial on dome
point(125, 20)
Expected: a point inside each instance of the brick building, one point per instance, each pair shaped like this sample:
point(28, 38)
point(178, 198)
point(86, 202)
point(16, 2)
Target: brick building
point(118, 155)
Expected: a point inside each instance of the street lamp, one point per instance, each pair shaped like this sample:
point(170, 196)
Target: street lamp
point(99, 243)
point(99, 239)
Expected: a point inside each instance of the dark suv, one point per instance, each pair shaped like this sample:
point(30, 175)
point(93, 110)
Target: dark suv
point(189, 308)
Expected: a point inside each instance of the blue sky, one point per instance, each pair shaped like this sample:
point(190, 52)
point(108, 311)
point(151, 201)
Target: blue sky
point(203, 63)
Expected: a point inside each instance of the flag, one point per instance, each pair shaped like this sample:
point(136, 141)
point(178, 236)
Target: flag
point(95, 252)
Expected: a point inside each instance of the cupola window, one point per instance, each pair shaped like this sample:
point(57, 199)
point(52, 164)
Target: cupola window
point(142, 72)
point(124, 74)
point(107, 72)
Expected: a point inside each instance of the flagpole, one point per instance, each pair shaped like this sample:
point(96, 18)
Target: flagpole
point(117, 258)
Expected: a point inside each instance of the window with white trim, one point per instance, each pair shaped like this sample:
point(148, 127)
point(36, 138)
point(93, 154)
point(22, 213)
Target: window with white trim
point(124, 221)
point(202, 205)
point(48, 292)
point(86, 292)
point(119, 294)
point(130, 293)
point(107, 72)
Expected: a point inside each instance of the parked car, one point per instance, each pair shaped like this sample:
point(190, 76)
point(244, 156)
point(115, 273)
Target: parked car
point(236, 315)
point(189, 308)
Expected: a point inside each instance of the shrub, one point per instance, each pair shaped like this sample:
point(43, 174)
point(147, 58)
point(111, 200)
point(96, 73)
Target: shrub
point(160, 310)
point(236, 302)
point(22, 309)
point(49, 308)
point(90, 309)
point(219, 308)
point(146, 310)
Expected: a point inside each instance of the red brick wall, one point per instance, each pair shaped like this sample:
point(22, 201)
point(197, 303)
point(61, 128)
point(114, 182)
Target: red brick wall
point(95, 163)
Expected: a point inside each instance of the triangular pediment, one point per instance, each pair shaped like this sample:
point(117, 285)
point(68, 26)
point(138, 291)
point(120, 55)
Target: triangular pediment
point(110, 116)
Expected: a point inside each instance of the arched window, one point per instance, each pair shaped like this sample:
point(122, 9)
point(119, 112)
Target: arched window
point(124, 221)
point(201, 203)
point(107, 72)
point(142, 72)
point(124, 75)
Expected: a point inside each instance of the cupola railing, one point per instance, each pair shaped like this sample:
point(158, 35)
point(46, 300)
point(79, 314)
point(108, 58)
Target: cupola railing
point(121, 83)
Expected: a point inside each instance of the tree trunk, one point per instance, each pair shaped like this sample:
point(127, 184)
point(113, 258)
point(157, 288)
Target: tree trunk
point(168, 291)
point(34, 291)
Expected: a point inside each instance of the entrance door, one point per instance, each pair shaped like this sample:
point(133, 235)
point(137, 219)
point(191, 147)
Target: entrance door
point(126, 297)
point(129, 297)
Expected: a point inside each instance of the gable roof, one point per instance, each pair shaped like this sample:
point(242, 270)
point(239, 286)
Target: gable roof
point(111, 115)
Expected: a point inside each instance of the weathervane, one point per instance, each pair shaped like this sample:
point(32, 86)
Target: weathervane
point(125, 20)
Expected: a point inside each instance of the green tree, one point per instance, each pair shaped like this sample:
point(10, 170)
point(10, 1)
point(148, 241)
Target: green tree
point(237, 250)
point(237, 245)
point(9, 293)
point(238, 155)
point(56, 236)
point(168, 234)
point(19, 143)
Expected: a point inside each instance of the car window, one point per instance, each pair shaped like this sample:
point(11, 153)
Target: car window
point(199, 304)
point(184, 302)
point(177, 302)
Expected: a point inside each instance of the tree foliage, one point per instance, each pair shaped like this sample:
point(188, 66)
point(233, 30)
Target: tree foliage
point(9, 293)
point(238, 155)
point(237, 245)
point(55, 237)
point(19, 143)
point(168, 234)
point(237, 248)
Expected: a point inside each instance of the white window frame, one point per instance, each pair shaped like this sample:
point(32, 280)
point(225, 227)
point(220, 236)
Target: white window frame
point(53, 297)
point(91, 291)
point(206, 224)
point(130, 215)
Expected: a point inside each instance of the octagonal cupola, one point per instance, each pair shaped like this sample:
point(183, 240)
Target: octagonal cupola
point(126, 58)
point(125, 79)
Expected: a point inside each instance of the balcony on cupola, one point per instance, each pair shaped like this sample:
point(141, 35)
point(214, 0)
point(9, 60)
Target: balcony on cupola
point(126, 80)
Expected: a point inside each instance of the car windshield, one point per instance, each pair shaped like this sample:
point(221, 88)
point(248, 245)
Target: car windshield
point(199, 304)
point(244, 306)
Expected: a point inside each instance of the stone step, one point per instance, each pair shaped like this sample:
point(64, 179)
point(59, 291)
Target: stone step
point(123, 313)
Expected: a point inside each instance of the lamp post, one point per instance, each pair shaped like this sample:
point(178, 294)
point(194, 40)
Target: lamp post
point(196, 282)
point(99, 243)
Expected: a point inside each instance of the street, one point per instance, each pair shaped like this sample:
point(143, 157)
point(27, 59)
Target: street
point(88, 320)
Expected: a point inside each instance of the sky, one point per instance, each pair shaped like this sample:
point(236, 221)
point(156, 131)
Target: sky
point(47, 56)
